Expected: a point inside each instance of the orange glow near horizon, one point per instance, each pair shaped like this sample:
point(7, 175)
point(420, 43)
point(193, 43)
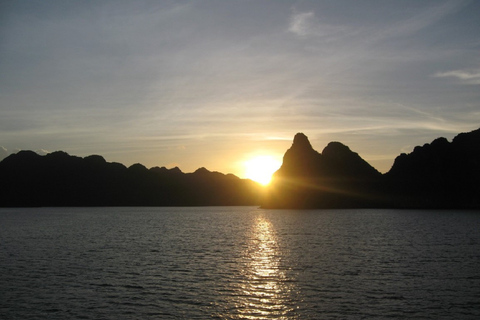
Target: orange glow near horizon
point(261, 168)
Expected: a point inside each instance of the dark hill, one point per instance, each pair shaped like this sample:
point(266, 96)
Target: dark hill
point(58, 179)
point(335, 178)
point(437, 175)
point(441, 174)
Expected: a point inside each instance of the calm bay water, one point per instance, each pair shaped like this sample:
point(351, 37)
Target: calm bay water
point(238, 263)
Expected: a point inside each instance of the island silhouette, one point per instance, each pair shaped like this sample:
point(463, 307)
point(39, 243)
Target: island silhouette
point(440, 174)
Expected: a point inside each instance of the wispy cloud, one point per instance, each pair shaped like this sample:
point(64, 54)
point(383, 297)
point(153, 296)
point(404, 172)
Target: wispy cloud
point(3, 153)
point(42, 152)
point(466, 76)
point(301, 24)
point(306, 24)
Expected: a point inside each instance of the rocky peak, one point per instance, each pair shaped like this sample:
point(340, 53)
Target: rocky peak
point(300, 142)
point(301, 158)
point(338, 177)
point(336, 149)
point(95, 160)
point(339, 160)
point(202, 171)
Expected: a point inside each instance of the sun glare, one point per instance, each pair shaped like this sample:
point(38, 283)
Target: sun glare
point(261, 168)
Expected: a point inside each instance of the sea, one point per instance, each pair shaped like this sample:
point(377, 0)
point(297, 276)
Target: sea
point(238, 263)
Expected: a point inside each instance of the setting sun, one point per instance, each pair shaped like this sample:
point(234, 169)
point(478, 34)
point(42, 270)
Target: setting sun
point(261, 168)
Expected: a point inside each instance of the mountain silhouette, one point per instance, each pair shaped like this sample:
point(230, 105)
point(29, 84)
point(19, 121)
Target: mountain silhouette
point(337, 177)
point(436, 175)
point(440, 174)
point(58, 179)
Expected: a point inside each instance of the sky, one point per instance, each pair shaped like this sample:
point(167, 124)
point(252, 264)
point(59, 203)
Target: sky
point(214, 83)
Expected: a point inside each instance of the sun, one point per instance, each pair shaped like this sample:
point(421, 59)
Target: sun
point(261, 168)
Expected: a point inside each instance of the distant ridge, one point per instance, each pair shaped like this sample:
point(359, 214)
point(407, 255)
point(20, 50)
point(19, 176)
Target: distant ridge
point(441, 174)
point(437, 175)
point(58, 179)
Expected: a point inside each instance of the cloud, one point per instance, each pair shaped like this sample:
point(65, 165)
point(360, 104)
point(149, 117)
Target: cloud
point(467, 76)
point(3, 153)
point(305, 24)
point(302, 23)
point(42, 152)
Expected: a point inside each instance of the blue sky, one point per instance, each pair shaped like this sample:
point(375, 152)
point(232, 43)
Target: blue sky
point(213, 83)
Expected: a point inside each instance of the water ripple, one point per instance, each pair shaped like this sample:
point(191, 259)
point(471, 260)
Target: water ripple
point(238, 263)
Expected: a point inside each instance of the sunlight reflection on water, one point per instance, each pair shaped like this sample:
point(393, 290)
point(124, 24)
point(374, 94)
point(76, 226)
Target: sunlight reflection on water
point(238, 263)
point(266, 288)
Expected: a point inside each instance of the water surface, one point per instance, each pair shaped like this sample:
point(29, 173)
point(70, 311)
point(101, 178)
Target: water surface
point(238, 263)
